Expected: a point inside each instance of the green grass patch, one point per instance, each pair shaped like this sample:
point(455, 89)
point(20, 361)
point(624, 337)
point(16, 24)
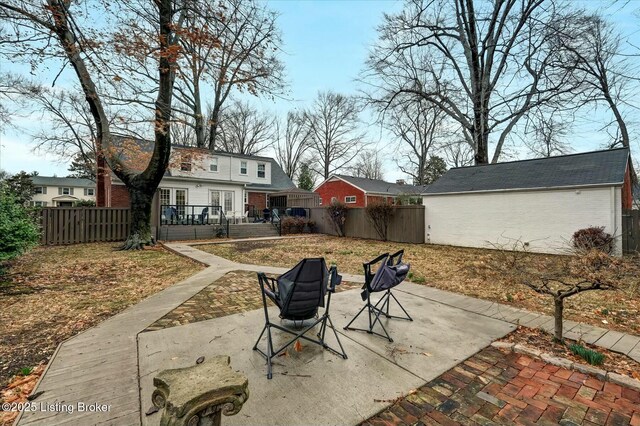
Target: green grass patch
point(589, 355)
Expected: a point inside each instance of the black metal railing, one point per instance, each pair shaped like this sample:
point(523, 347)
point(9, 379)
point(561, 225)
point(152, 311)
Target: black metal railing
point(180, 214)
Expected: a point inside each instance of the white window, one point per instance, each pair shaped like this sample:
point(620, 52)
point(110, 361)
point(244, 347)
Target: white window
point(40, 190)
point(350, 199)
point(39, 203)
point(228, 201)
point(334, 199)
point(246, 197)
point(65, 191)
point(243, 167)
point(213, 167)
point(181, 201)
point(165, 196)
point(320, 200)
point(89, 191)
point(262, 170)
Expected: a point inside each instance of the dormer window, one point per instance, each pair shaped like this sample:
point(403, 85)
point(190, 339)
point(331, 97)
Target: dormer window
point(262, 170)
point(213, 167)
point(243, 167)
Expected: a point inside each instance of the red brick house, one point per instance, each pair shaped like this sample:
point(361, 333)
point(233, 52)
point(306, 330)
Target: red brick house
point(359, 192)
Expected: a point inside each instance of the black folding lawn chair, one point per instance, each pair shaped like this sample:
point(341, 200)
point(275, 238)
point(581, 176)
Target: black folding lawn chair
point(389, 274)
point(298, 293)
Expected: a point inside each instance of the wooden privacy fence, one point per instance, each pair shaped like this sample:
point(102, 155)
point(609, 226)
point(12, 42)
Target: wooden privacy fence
point(73, 225)
point(407, 224)
point(630, 231)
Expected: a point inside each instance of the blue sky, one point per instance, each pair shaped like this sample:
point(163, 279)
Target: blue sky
point(325, 46)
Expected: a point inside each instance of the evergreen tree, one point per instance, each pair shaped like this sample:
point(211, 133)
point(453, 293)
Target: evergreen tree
point(305, 178)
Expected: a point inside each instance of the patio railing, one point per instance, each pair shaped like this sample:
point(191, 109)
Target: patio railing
point(179, 214)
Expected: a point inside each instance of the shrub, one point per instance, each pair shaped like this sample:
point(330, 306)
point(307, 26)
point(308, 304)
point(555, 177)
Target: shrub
point(292, 225)
point(85, 203)
point(593, 237)
point(380, 214)
point(312, 226)
point(337, 213)
point(17, 227)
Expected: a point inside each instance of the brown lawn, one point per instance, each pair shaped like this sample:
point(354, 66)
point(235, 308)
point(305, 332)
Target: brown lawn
point(463, 270)
point(53, 293)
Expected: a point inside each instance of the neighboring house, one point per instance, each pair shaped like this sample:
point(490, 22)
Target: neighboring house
point(61, 192)
point(360, 192)
point(237, 183)
point(539, 202)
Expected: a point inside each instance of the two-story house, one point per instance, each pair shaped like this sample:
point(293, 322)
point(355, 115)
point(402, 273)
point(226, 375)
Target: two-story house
point(239, 184)
point(61, 192)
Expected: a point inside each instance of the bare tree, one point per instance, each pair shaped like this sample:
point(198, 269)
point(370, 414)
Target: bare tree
point(595, 56)
point(368, 165)
point(231, 46)
point(71, 133)
point(544, 135)
point(419, 126)
point(59, 29)
point(249, 43)
point(334, 136)
point(245, 130)
point(292, 145)
point(562, 277)
point(486, 64)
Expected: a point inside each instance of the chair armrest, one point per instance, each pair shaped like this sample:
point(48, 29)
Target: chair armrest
point(334, 279)
point(268, 286)
point(392, 258)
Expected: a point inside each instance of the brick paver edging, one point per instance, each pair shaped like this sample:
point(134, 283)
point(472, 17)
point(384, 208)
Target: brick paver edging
point(603, 375)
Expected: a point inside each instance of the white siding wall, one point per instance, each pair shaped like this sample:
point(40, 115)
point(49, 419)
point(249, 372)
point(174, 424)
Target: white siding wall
point(544, 219)
point(52, 192)
point(200, 195)
point(228, 169)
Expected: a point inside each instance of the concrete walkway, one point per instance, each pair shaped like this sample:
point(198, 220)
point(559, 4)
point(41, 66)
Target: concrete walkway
point(112, 363)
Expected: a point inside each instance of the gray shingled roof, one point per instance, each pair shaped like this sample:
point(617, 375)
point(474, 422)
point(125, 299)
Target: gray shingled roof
point(279, 179)
point(62, 181)
point(381, 186)
point(589, 168)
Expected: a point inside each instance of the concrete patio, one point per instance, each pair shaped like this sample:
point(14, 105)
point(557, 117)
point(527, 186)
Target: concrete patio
point(115, 362)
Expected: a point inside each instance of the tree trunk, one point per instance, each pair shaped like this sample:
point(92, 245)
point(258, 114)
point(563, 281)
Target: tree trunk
point(140, 232)
point(557, 314)
point(213, 126)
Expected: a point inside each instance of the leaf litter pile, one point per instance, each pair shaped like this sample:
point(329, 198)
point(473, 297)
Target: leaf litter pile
point(462, 270)
point(53, 293)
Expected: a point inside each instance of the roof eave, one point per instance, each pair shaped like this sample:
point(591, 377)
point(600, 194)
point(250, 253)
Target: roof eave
point(544, 188)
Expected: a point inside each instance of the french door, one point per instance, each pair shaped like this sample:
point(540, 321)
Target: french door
point(223, 199)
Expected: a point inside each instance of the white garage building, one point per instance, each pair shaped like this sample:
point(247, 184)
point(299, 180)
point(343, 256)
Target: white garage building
point(540, 202)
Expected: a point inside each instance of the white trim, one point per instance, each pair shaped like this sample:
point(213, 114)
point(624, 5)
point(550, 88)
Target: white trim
point(355, 199)
point(338, 177)
point(542, 188)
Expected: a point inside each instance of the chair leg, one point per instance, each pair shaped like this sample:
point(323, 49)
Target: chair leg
point(401, 307)
point(373, 313)
point(269, 353)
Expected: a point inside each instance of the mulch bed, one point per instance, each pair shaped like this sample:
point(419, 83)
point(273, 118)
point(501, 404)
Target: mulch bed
point(541, 340)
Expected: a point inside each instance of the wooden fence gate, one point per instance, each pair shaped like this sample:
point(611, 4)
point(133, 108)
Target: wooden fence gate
point(73, 225)
point(630, 231)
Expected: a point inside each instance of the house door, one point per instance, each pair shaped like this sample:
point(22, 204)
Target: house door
point(181, 201)
point(228, 201)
